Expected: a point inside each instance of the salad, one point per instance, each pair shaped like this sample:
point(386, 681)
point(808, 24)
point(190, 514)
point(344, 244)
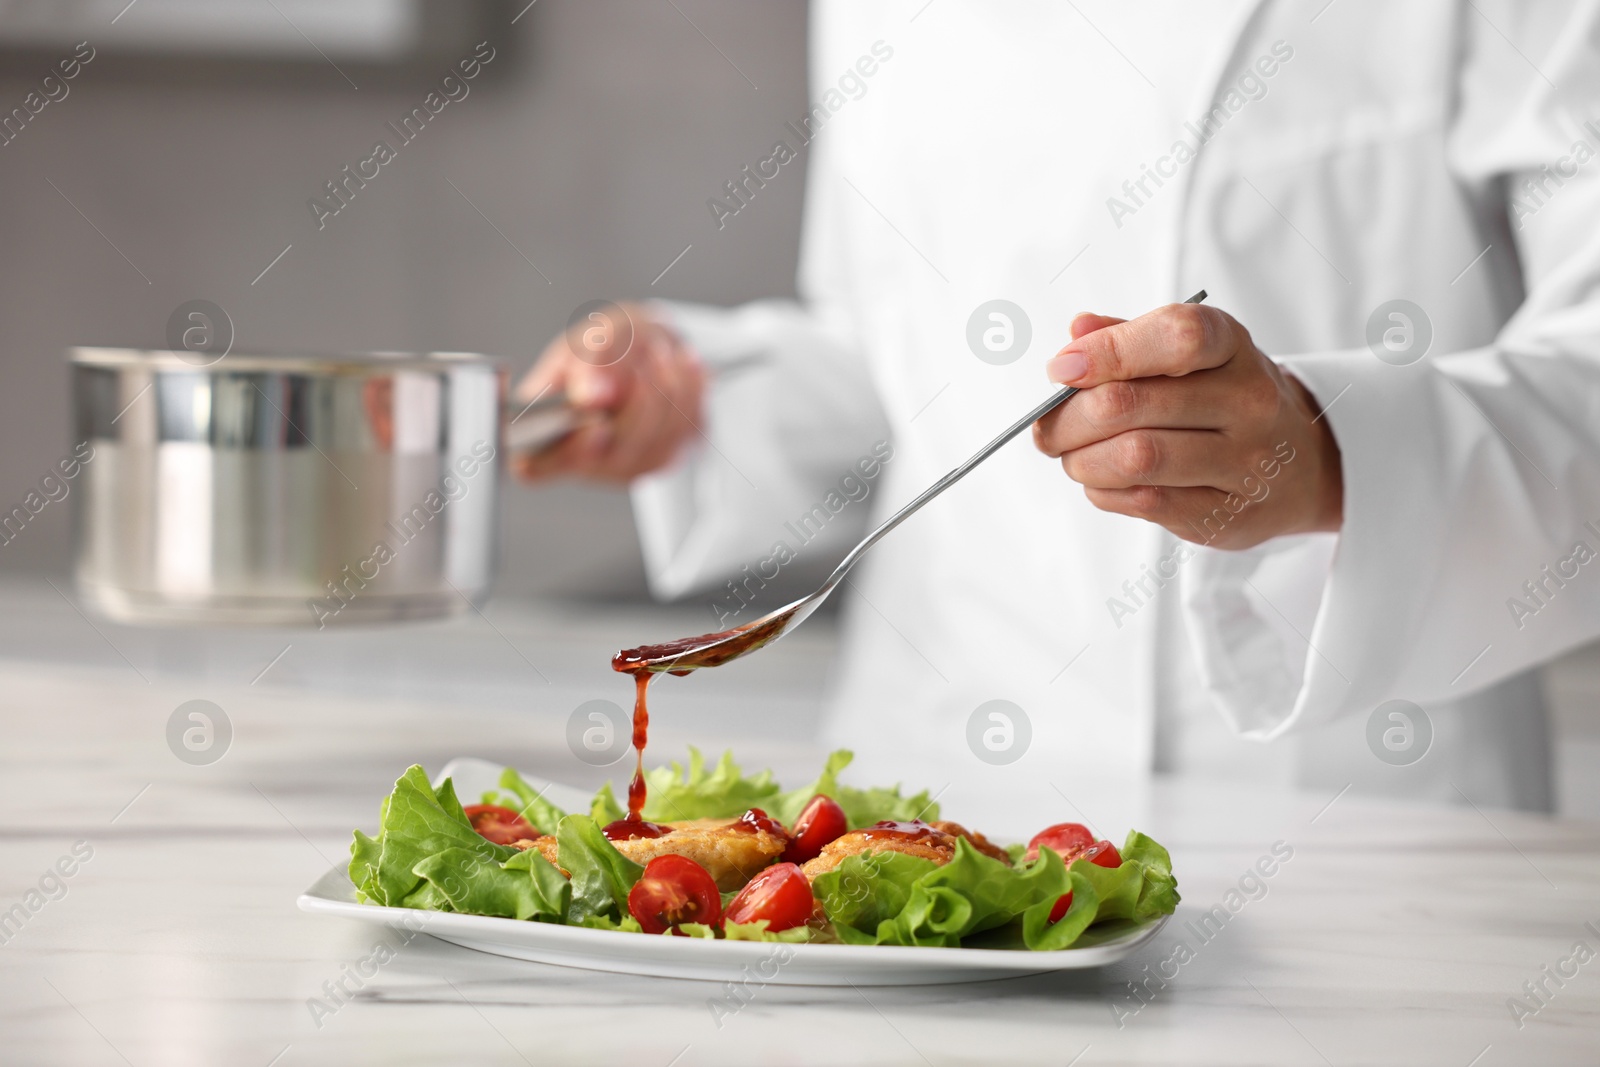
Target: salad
point(738, 857)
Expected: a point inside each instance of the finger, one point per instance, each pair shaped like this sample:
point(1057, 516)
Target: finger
point(572, 454)
point(1177, 339)
point(682, 380)
point(641, 426)
point(547, 373)
point(1088, 323)
point(1173, 458)
point(1202, 516)
point(1207, 400)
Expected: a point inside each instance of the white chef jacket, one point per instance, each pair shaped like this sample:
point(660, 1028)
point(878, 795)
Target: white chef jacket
point(1339, 157)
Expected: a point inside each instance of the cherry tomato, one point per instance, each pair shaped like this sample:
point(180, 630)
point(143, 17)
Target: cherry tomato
point(780, 894)
point(1102, 854)
point(1063, 902)
point(674, 890)
point(497, 824)
point(1066, 838)
point(820, 822)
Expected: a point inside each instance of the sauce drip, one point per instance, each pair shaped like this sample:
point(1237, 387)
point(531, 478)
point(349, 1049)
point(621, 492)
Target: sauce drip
point(634, 825)
point(641, 737)
point(679, 658)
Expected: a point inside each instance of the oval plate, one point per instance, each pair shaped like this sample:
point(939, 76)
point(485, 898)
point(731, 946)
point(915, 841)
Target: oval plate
point(717, 961)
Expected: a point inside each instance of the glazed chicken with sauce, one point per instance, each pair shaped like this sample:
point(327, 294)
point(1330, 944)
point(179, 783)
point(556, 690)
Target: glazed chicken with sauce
point(729, 849)
point(930, 841)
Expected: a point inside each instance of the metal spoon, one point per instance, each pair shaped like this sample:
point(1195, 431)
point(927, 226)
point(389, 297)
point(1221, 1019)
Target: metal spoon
point(711, 650)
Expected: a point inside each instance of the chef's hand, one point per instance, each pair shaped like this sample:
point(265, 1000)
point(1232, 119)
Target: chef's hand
point(640, 401)
point(1182, 421)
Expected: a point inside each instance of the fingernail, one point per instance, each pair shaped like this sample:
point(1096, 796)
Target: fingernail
point(1066, 368)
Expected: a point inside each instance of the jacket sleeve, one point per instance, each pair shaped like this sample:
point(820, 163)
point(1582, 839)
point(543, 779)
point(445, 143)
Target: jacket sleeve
point(1470, 548)
point(792, 412)
point(789, 416)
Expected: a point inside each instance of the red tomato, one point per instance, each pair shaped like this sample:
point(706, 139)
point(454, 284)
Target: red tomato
point(1103, 854)
point(780, 894)
point(1063, 902)
point(497, 824)
point(820, 822)
point(1066, 838)
point(674, 890)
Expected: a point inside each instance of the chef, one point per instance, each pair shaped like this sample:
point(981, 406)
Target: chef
point(1348, 506)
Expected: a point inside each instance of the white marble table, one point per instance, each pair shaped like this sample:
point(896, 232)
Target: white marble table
point(1394, 935)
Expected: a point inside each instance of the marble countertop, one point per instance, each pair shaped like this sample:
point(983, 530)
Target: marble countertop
point(1393, 934)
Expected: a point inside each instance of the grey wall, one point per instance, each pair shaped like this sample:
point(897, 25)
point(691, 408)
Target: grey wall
point(595, 154)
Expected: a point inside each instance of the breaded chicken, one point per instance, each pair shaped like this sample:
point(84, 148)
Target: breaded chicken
point(975, 839)
point(933, 844)
point(731, 852)
point(937, 842)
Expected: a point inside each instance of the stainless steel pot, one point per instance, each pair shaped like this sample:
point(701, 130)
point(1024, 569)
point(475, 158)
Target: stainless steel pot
point(294, 490)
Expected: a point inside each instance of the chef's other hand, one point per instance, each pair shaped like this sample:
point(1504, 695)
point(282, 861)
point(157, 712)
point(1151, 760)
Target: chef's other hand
point(638, 386)
point(1183, 421)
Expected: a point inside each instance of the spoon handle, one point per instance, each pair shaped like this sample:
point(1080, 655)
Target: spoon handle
point(1044, 408)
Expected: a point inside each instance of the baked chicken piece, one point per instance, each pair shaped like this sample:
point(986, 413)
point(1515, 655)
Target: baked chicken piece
point(732, 850)
point(929, 841)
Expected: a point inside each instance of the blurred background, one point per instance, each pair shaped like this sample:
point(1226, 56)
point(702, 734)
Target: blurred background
point(588, 146)
point(179, 165)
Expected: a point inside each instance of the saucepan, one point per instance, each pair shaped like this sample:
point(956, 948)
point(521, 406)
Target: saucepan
point(290, 489)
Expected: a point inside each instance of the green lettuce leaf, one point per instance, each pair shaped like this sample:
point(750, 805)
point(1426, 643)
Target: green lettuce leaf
point(757, 931)
point(627, 924)
point(973, 893)
point(863, 807)
point(415, 822)
point(364, 854)
point(867, 890)
point(700, 930)
point(600, 875)
point(889, 898)
point(1041, 935)
point(605, 810)
point(526, 800)
point(525, 886)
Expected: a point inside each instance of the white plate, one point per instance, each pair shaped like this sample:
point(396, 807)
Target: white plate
point(718, 961)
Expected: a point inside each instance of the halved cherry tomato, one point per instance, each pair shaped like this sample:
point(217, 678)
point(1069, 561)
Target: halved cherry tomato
point(1063, 902)
point(1102, 854)
point(674, 890)
point(1067, 838)
point(497, 824)
point(780, 894)
point(820, 822)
